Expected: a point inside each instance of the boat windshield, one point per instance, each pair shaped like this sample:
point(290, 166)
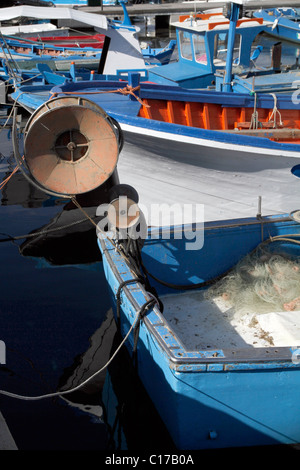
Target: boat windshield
point(220, 49)
point(185, 45)
point(199, 49)
point(192, 47)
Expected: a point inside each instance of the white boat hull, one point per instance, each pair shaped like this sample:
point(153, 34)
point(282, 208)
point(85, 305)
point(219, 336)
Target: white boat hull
point(226, 179)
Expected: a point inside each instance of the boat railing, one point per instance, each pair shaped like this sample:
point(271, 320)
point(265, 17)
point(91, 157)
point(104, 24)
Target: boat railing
point(9, 59)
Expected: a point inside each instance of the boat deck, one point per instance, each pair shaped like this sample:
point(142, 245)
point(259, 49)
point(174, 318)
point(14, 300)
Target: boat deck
point(278, 82)
point(203, 324)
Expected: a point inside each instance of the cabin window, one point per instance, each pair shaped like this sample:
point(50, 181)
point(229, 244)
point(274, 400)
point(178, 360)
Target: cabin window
point(220, 49)
point(268, 52)
point(199, 49)
point(185, 45)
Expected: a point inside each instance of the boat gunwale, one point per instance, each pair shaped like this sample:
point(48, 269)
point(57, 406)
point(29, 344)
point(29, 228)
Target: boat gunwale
point(177, 93)
point(213, 360)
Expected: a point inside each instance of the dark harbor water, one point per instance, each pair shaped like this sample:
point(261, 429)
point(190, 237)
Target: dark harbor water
point(58, 329)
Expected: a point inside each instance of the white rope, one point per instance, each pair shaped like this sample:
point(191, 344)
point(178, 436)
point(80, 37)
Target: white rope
point(65, 392)
point(275, 112)
point(254, 118)
point(9, 116)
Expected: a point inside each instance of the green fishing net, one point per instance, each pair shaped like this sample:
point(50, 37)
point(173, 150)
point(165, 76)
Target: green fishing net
point(262, 282)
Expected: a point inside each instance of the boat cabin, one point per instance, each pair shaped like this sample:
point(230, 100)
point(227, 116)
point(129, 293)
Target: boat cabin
point(202, 49)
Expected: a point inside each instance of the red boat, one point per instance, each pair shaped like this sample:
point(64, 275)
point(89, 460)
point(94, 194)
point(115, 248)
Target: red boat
point(96, 40)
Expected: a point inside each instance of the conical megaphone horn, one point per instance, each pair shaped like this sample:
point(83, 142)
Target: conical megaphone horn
point(70, 146)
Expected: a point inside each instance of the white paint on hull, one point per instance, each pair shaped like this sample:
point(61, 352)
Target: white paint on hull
point(183, 139)
point(227, 183)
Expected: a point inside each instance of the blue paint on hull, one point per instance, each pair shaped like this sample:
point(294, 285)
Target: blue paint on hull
point(125, 109)
point(284, 27)
point(208, 399)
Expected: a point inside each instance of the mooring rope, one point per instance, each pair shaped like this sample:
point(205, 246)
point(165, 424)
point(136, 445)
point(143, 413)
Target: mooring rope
point(6, 180)
point(254, 118)
point(65, 392)
point(40, 232)
point(134, 326)
point(275, 112)
point(9, 116)
point(127, 90)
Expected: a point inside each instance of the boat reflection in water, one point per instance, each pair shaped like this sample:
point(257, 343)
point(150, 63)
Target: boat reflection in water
point(115, 396)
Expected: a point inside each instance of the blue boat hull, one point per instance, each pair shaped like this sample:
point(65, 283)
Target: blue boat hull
point(190, 158)
point(220, 398)
point(284, 28)
point(125, 110)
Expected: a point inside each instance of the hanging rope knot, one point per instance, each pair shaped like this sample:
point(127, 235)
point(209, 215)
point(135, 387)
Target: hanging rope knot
point(129, 90)
point(275, 113)
point(255, 123)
